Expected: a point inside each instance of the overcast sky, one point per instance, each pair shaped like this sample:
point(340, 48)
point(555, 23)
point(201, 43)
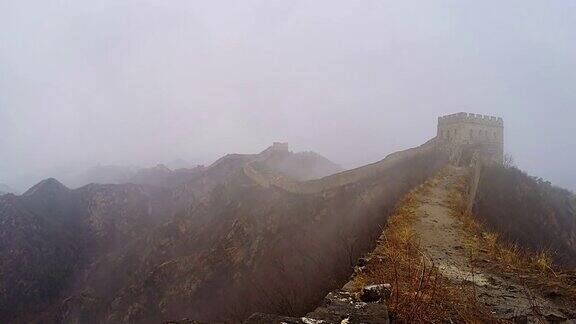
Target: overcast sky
point(142, 82)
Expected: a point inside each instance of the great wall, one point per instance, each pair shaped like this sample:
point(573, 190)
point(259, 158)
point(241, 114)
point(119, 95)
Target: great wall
point(465, 138)
point(467, 143)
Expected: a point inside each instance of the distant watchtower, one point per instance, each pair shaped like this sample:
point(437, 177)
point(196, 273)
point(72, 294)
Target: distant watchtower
point(473, 133)
point(278, 146)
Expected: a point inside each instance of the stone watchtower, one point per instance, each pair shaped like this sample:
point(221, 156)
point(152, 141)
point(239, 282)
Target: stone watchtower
point(279, 146)
point(465, 134)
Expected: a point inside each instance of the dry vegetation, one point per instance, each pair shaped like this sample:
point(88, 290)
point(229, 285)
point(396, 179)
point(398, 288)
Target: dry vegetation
point(528, 211)
point(534, 270)
point(419, 292)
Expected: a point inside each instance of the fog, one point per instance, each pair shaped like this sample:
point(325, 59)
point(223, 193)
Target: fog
point(144, 82)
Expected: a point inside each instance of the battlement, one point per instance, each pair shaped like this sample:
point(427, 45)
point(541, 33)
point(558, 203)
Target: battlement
point(463, 117)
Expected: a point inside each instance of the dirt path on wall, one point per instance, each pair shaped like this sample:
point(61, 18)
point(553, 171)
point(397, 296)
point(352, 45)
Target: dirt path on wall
point(442, 237)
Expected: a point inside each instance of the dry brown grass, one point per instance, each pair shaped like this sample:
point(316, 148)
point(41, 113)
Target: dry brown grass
point(419, 292)
point(534, 270)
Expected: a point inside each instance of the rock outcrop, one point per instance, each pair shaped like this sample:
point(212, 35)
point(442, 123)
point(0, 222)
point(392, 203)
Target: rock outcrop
point(338, 307)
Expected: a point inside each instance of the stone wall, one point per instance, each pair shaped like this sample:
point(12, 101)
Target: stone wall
point(266, 178)
point(460, 137)
point(474, 180)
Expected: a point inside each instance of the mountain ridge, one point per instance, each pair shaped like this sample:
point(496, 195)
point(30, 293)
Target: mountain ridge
point(244, 235)
point(89, 225)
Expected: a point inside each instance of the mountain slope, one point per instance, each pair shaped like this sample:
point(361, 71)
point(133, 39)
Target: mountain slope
point(40, 247)
point(528, 211)
point(214, 246)
point(54, 239)
point(48, 234)
point(245, 247)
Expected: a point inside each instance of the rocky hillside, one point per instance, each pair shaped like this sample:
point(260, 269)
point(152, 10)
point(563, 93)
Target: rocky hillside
point(215, 247)
point(56, 234)
point(49, 233)
point(246, 236)
point(529, 211)
point(247, 248)
point(40, 247)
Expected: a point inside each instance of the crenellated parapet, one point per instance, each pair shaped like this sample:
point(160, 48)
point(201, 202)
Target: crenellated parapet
point(463, 117)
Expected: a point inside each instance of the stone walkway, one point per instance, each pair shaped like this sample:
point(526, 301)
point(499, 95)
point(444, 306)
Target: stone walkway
point(442, 238)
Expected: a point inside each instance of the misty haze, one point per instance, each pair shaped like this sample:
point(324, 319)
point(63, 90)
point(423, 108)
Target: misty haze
point(267, 161)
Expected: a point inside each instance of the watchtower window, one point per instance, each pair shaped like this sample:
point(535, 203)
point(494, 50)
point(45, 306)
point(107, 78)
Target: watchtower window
point(471, 134)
